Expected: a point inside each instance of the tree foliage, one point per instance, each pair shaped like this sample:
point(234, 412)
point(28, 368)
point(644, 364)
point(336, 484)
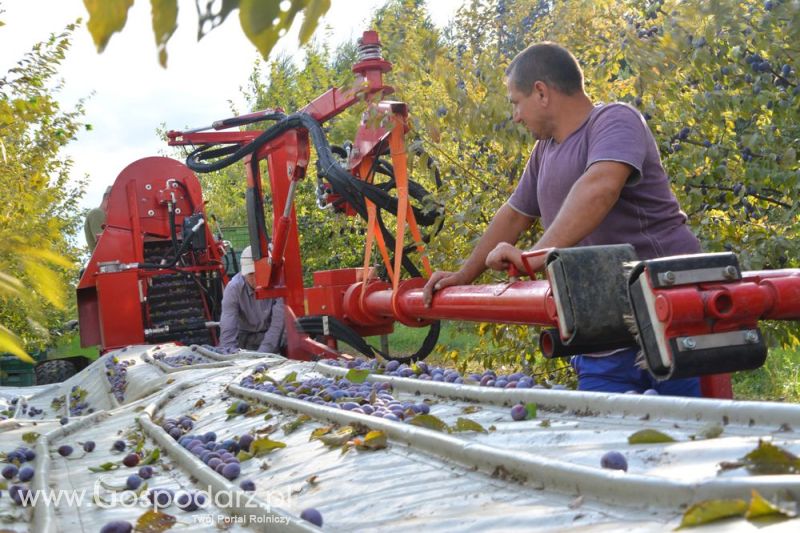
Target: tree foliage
point(262, 21)
point(40, 203)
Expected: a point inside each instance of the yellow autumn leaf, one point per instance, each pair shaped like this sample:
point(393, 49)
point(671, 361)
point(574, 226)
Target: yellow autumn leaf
point(106, 17)
point(12, 344)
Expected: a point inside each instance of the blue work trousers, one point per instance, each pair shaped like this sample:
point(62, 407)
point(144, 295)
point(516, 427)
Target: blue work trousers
point(619, 373)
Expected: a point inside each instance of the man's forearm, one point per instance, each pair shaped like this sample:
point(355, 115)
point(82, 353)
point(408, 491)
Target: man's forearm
point(506, 226)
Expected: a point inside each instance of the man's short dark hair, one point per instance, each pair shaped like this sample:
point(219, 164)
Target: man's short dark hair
point(547, 62)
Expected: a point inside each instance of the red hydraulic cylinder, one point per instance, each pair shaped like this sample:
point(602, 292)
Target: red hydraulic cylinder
point(712, 307)
point(520, 302)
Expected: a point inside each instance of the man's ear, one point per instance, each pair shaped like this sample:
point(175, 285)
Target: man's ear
point(541, 91)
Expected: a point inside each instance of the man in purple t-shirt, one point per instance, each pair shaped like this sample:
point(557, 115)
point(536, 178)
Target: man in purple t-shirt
point(594, 177)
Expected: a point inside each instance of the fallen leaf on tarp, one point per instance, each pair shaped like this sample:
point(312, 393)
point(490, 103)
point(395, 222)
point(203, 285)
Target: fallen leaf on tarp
point(429, 422)
point(154, 522)
point(712, 510)
point(105, 467)
point(291, 377)
point(291, 427)
point(465, 424)
point(470, 409)
point(762, 508)
point(339, 437)
point(243, 456)
point(356, 376)
point(30, 437)
point(711, 431)
point(649, 436)
point(577, 502)
point(152, 457)
point(530, 410)
point(256, 410)
point(317, 433)
point(266, 430)
point(768, 459)
point(262, 446)
point(199, 403)
point(374, 440)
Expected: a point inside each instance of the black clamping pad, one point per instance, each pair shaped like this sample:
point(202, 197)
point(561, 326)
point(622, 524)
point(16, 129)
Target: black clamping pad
point(591, 291)
point(714, 354)
point(690, 269)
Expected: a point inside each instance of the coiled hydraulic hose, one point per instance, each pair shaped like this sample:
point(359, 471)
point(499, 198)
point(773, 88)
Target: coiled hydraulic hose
point(351, 189)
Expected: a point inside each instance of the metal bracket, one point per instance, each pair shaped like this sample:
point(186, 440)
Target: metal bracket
point(717, 340)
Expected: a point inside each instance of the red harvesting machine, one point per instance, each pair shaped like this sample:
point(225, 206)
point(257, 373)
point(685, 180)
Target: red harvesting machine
point(147, 282)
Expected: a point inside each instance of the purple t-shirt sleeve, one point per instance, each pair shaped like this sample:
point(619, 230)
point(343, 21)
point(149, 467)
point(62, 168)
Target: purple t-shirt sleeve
point(618, 134)
point(524, 199)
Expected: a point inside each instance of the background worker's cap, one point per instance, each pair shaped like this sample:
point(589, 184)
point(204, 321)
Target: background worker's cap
point(246, 261)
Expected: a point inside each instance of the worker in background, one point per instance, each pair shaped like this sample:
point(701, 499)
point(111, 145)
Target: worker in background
point(594, 178)
point(248, 323)
point(95, 221)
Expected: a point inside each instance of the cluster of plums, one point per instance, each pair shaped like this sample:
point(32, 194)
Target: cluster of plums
point(370, 398)
point(77, 403)
point(16, 469)
point(181, 359)
point(116, 372)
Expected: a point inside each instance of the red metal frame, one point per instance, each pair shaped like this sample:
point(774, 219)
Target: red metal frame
point(279, 272)
point(111, 303)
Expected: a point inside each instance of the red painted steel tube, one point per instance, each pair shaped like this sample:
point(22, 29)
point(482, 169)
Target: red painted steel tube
point(752, 299)
point(521, 302)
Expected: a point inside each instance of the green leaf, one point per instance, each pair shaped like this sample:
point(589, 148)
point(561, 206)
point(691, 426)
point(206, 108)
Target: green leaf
point(30, 437)
point(208, 19)
point(761, 508)
point(356, 376)
point(263, 446)
point(291, 427)
point(105, 467)
point(165, 21)
point(465, 424)
point(712, 510)
point(105, 18)
point(313, 12)
point(263, 22)
point(291, 377)
point(768, 459)
point(429, 422)
point(153, 521)
point(152, 457)
point(530, 410)
point(649, 436)
point(244, 456)
point(469, 409)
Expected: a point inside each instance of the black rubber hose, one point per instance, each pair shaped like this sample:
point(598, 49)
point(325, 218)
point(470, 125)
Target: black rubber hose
point(313, 325)
point(178, 254)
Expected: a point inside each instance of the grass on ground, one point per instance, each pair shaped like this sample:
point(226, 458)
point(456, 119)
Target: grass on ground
point(777, 380)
